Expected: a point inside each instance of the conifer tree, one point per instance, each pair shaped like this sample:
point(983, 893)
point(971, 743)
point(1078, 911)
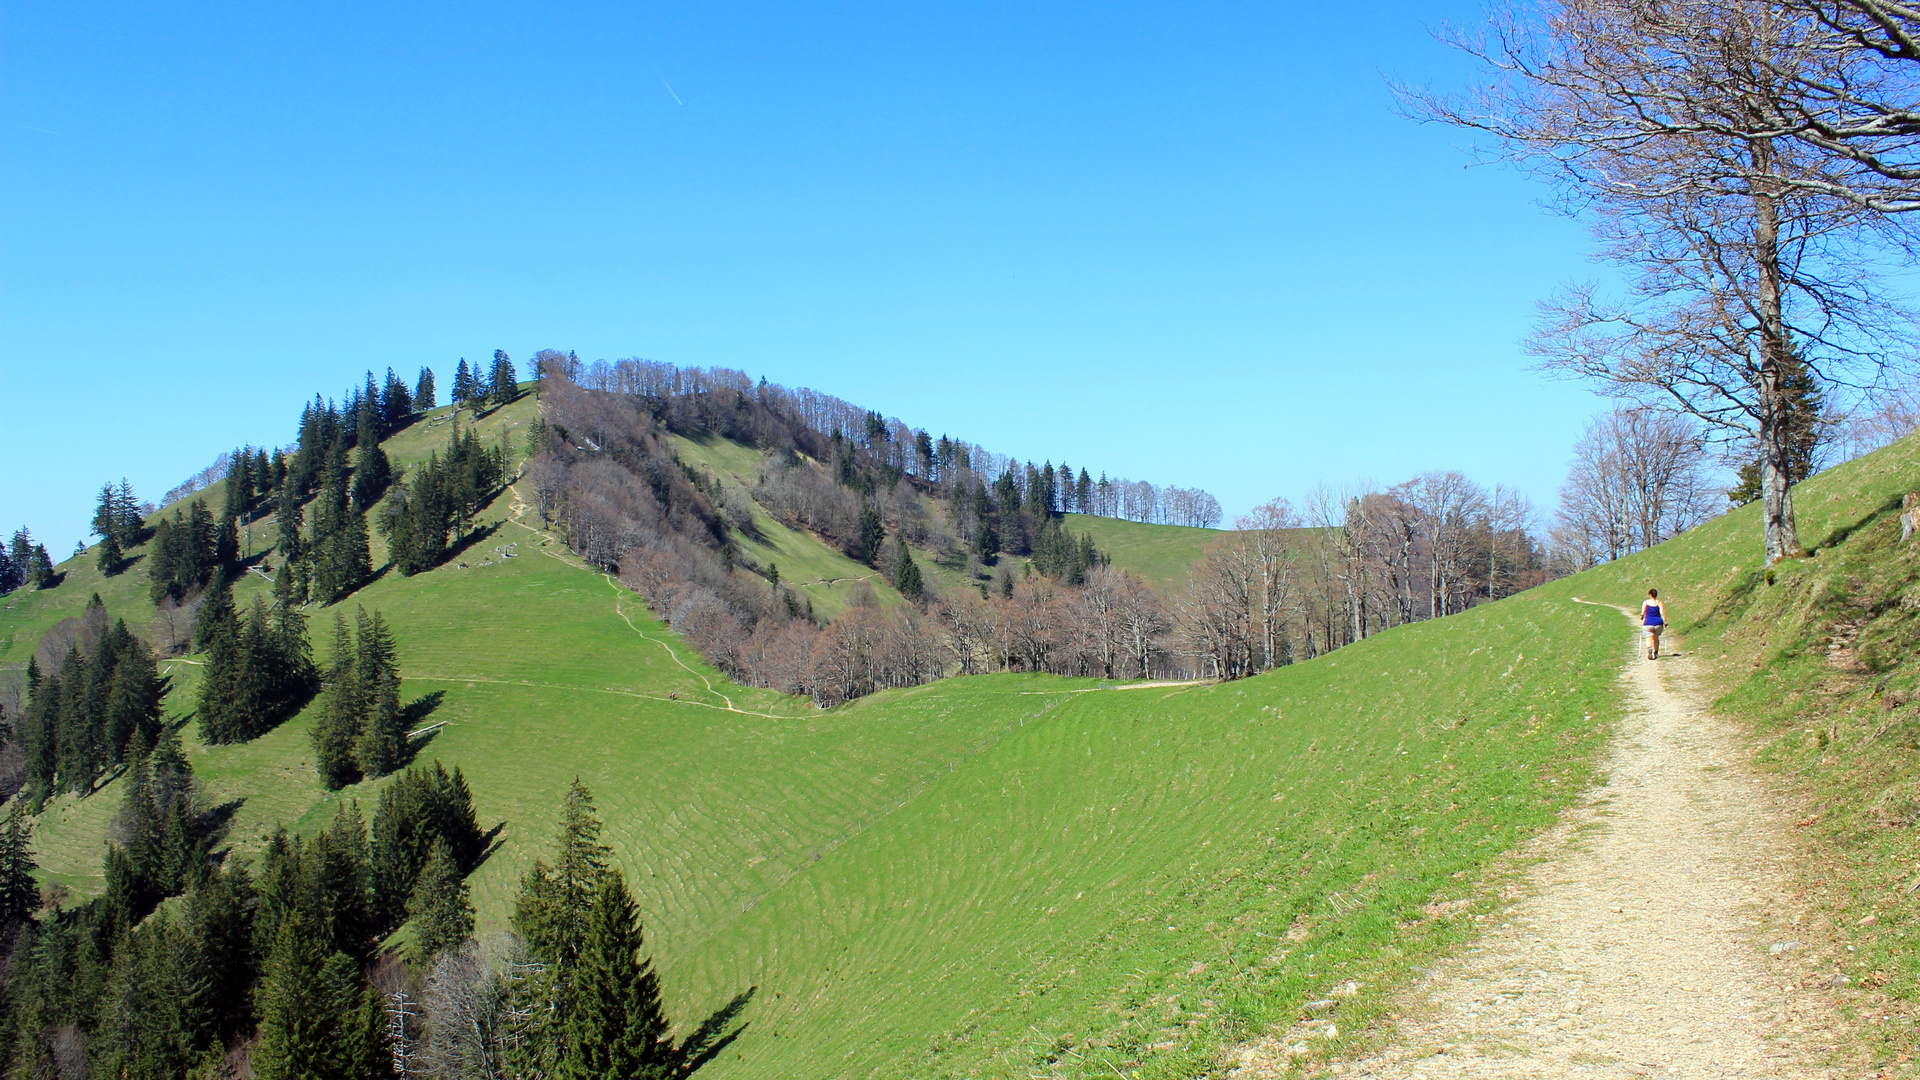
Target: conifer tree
point(19, 892)
point(381, 740)
point(303, 997)
point(504, 383)
point(40, 568)
point(423, 399)
point(110, 555)
point(216, 610)
point(462, 385)
point(226, 544)
point(873, 535)
point(440, 907)
point(906, 574)
point(552, 908)
point(396, 403)
point(339, 721)
point(615, 1023)
point(106, 519)
point(12, 576)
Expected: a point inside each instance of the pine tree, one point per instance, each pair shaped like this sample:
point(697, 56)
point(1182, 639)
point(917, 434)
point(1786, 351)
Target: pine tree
point(396, 403)
point(440, 907)
point(423, 399)
point(615, 1025)
point(12, 576)
point(462, 385)
point(132, 523)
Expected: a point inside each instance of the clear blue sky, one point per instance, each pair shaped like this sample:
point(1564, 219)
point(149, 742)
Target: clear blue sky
point(1189, 243)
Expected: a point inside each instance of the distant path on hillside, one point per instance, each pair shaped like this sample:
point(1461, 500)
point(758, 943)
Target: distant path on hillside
point(517, 507)
point(1633, 948)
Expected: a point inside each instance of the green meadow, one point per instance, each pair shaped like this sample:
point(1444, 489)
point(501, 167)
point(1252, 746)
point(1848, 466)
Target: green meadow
point(1005, 875)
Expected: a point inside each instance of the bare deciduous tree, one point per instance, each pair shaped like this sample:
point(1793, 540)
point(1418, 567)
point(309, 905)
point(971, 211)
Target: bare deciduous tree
point(1748, 252)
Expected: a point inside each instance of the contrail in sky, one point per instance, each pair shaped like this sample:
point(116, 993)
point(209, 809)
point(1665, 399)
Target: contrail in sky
point(44, 131)
point(668, 85)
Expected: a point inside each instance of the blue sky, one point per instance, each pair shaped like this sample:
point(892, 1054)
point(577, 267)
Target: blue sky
point(1188, 243)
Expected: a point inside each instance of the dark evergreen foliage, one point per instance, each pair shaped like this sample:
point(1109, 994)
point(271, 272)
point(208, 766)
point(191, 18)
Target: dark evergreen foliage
point(362, 730)
point(81, 720)
point(439, 907)
point(421, 808)
point(435, 508)
point(259, 672)
point(423, 399)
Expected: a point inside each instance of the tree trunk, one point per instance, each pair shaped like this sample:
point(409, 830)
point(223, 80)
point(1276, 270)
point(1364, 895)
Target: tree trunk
point(1776, 497)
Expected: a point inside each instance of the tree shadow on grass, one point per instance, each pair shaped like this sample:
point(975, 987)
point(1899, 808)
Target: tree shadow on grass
point(419, 732)
point(711, 1037)
point(468, 541)
point(1840, 534)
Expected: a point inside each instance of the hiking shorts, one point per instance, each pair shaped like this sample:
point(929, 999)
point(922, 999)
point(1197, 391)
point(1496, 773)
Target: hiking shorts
point(1655, 628)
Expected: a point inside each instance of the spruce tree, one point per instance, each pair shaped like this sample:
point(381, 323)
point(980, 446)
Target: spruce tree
point(381, 740)
point(106, 522)
point(906, 574)
point(339, 721)
point(873, 534)
point(19, 892)
point(423, 399)
point(40, 568)
point(552, 908)
point(615, 1023)
point(302, 998)
point(216, 610)
point(439, 908)
point(226, 544)
point(110, 555)
point(504, 383)
point(11, 574)
point(462, 385)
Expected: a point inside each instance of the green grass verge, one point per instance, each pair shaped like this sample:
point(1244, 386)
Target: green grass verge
point(1160, 555)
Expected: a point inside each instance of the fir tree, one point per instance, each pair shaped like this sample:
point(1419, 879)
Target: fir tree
point(226, 544)
point(439, 907)
point(12, 575)
point(462, 385)
point(615, 1024)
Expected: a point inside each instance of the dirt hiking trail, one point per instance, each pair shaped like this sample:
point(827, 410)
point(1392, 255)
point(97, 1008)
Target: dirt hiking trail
point(1633, 947)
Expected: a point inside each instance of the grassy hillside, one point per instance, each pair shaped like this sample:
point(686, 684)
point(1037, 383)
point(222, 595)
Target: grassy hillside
point(1159, 554)
point(1004, 875)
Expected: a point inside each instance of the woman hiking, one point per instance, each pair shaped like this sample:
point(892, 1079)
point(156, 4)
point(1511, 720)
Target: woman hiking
point(1653, 616)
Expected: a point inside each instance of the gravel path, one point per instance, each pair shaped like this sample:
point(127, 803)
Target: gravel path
point(1634, 947)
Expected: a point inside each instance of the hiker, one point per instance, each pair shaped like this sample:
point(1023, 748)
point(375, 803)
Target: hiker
point(1653, 616)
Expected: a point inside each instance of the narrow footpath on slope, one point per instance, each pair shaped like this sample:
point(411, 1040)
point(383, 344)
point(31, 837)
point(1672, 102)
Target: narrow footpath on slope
point(1633, 948)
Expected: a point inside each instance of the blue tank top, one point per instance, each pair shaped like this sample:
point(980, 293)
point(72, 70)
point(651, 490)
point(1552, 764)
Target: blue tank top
point(1651, 615)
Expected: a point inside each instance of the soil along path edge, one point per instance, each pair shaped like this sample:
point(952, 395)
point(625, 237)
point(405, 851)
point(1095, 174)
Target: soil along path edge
point(1634, 949)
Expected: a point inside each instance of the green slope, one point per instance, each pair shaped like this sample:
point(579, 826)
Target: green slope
point(1159, 554)
point(1005, 875)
